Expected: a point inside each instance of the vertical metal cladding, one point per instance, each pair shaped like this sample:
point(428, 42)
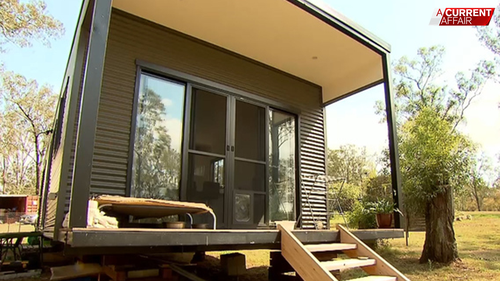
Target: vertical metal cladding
point(131, 38)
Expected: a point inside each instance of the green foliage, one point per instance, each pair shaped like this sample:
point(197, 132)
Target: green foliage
point(345, 194)
point(382, 206)
point(26, 112)
point(361, 217)
point(27, 115)
point(378, 188)
point(490, 35)
point(351, 167)
point(491, 202)
point(156, 166)
point(24, 22)
point(349, 163)
point(432, 155)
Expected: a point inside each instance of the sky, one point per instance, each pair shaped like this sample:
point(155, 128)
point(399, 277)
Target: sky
point(403, 24)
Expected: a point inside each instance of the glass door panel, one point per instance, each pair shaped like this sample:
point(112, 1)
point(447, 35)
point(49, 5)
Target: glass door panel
point(250, 183)
point(156, 165)
point(207, 155)
point(208, 122)
point(250, 131)
point(281, 166)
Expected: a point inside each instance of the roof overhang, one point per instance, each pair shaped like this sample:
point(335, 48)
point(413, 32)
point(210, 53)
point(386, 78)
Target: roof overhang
point(304, 38)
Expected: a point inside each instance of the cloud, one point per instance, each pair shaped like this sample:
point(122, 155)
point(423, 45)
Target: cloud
point(167, 102)
point(174, 129)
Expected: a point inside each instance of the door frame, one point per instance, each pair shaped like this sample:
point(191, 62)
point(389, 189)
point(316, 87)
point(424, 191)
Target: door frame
point(232, 93)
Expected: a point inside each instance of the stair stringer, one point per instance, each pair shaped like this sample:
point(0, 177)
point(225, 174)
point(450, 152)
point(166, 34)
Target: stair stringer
point(304, 263)
point(382, 267)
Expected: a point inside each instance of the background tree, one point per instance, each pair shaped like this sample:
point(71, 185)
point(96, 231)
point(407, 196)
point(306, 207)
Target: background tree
point(281, 166)
point(25, 108)
point(15, 149)
point(479, 181)
point(429, 112)
point(29, 110)
point(156, 163)
point(435, 159)
point(21, 23)
point(350, 168)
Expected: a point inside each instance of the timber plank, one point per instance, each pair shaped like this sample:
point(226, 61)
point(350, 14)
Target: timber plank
point(330, 247)
point(304, 263)
point(347, 264)
point(375, 278)
point(382, 267)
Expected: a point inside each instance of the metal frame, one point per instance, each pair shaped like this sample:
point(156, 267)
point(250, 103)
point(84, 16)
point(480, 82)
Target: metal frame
point(133, 124)
point(200, 240)
point(55, 138)
point(213, 86)
point(397, 193)
point(323, 12)
point(298, 185)
point(232, 95)
point(87, 122)
point(71, 80)
point(94, 74)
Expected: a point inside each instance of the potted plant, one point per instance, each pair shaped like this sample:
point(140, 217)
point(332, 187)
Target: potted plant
point(384, 212)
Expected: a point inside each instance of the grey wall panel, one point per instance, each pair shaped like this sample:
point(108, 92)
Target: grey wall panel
point(132, 39)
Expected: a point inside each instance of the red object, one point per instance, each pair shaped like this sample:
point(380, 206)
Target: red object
point(32, 204)
point(465, 16)
point(384, 220)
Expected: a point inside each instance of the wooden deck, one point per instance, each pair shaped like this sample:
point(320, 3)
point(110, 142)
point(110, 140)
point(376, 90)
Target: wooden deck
point(183, 240)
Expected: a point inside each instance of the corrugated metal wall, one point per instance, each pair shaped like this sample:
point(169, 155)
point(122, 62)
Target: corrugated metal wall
point(56, 172)
point(132, 39)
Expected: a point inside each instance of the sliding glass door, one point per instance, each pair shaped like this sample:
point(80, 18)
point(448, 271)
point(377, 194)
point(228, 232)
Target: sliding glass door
point(250, 165)
point(208, 152)
point(236, 155)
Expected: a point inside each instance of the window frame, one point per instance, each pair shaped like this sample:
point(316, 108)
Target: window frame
point(133, 126)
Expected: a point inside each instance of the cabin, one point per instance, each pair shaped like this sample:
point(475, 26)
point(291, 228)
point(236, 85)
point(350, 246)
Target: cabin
point(218, 102)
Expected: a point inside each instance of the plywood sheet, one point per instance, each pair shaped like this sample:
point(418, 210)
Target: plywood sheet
point(143, 207)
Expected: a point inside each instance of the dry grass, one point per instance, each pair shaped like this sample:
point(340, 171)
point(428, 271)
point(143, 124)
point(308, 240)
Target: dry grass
point(478, 245)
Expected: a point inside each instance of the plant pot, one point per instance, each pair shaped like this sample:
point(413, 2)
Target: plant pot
point(384, 220)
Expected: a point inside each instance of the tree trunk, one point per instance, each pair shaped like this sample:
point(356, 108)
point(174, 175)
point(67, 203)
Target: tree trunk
point(407, 228)
point(440, 243)
point(475, 193)
point(478, 202)
point(4, 175)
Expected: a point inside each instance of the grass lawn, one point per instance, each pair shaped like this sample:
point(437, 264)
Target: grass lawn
point(478, 245)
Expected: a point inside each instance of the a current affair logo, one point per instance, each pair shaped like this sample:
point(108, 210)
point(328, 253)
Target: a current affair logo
point(462, 16)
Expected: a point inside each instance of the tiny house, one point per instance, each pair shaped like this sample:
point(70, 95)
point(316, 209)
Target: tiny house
point(219, 102)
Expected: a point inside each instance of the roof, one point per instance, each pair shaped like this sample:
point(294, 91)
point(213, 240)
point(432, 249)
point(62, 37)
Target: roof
point(305, 38)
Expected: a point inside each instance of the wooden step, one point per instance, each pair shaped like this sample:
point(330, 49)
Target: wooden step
point(346, 264)
point(330, 247)
point(375, 278)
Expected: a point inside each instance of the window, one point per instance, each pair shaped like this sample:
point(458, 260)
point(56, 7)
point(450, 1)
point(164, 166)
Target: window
point(282, 176)
point(156, 166)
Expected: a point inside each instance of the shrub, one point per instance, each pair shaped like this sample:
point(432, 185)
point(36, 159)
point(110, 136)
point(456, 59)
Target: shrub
point(361, 217)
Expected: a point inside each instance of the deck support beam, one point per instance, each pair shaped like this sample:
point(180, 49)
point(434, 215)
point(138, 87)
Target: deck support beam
point(87, 121)
point(397, 193)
